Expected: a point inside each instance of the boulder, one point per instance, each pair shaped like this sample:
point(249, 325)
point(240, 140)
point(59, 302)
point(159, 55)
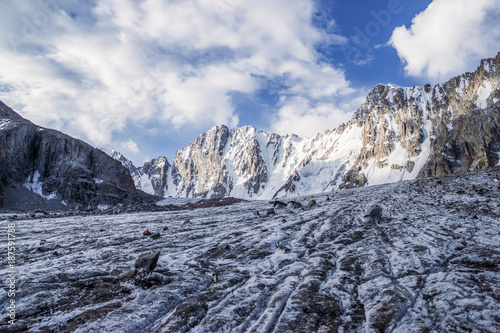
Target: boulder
point(374, 212)
point(146, 262)
point(270, 212)
point(294, 205)
point(278, 204)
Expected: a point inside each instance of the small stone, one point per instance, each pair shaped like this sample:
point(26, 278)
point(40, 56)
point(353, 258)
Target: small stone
point(374, 211)
point(165, 228)
point(294, 205)
point(147, 233)
point(155, 236)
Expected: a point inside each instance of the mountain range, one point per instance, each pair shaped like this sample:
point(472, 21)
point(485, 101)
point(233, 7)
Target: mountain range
point(398, 133)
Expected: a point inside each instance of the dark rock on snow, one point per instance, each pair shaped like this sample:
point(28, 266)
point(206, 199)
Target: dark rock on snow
point(146, 262)
point(374, 211)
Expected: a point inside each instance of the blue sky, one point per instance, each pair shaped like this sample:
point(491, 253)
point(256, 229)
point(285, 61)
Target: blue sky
point(147, 77)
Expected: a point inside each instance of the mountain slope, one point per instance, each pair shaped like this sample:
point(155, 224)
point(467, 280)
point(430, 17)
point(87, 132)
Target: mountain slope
point(398, 133)
point(38, 164)
point(424, 131)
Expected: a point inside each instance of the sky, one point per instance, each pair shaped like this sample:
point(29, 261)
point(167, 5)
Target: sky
point(147, 77)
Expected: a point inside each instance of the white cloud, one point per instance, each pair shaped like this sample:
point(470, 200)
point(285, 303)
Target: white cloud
point(93, 68)
point(449, 37)
point(131, 146)
point(299, 116)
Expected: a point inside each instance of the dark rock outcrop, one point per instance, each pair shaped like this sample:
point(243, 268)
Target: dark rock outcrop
point(57, 167)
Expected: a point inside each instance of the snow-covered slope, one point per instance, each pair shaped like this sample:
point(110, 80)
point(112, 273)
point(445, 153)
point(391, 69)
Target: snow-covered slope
point(429, 264)
point(398, 133)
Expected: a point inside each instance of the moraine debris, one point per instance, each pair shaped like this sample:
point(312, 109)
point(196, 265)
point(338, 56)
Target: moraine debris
point(270, 212)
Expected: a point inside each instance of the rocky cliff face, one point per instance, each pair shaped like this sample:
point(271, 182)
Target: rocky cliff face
point(152, 177)
point(242, 162)
point(398, 133)
point(430, 131)
point(56, 167)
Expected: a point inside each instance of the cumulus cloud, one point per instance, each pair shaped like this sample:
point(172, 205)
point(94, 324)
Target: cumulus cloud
point(301, 116)
point(92, 68)
point(131, 146)
point(448, 38)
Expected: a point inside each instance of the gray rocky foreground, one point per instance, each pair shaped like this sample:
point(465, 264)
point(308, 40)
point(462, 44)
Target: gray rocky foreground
point(430, 263)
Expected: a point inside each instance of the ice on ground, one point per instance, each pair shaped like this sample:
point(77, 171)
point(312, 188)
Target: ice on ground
point(430, 263)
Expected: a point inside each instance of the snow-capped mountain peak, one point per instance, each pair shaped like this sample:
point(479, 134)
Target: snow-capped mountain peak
point(398, 133)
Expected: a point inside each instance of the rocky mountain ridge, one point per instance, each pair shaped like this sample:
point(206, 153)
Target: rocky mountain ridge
point(398, 133)
point(44, 168)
